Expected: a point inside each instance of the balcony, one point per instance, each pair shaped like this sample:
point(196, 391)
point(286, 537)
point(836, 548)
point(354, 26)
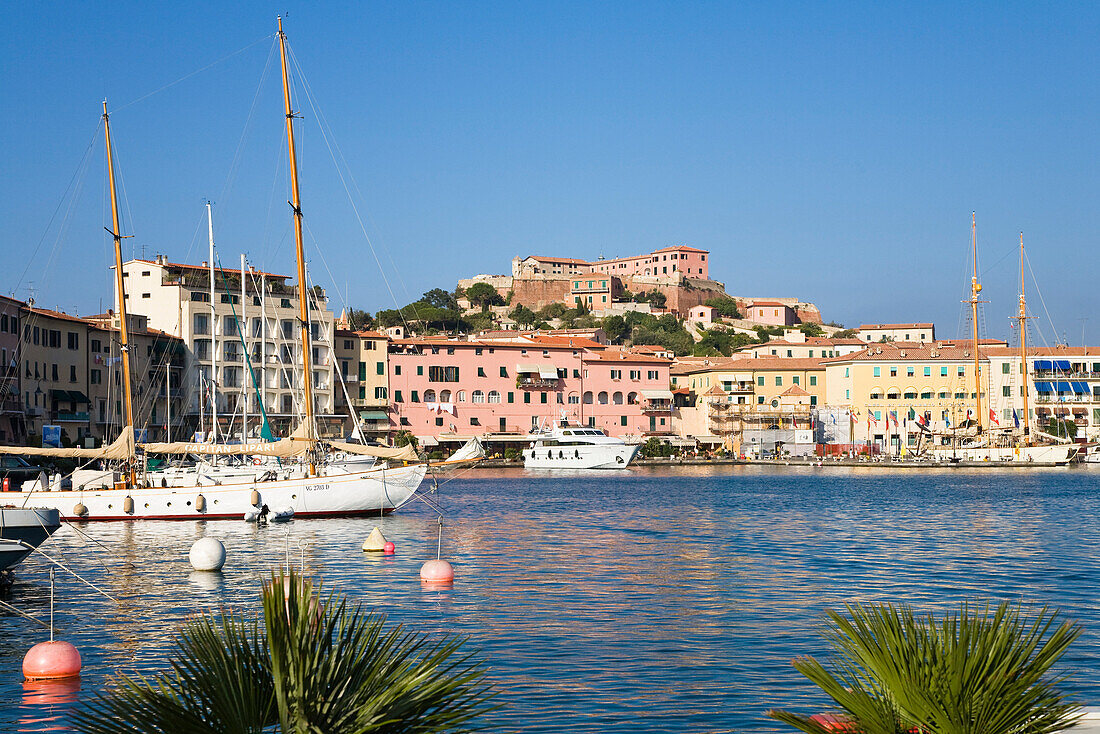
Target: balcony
point(72, 417)
point(657, 408)
point(537, 383)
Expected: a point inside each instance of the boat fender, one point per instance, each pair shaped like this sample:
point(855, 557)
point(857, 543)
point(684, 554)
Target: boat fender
point(80, 510)
point(254, 498)
point(128, 505)
point(200, 504)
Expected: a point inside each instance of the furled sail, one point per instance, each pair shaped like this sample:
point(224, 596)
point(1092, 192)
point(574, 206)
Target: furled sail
point(404, 453)
point(296, 444)
point(284, 448)
point(120, 449)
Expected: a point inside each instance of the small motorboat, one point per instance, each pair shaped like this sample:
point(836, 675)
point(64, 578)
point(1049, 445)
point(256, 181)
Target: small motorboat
point(22, 529)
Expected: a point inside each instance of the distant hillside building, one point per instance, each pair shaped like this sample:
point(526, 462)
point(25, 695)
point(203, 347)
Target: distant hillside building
point(919, 332)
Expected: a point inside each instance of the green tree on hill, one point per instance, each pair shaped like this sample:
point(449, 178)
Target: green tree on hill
point(523, 315)
point(440, 298)
point(724, 306)
point(483, 296)
point(811, 329)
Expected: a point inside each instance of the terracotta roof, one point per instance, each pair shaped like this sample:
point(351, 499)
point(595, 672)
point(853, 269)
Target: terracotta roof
point(948, 351)
point(683, 248)
point(715, 391)
point(793, 391)
point(897, 326)
point(748, 364)
point(1059, 350)
point(367, 334)
point(204, 268)
point(569, 260)
point(620, 355)
point(811, 341)
point(575, 342)
point(54, 314)
point(769, 303)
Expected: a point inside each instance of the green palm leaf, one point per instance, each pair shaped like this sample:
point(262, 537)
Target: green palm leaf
point(979, 671)
point(315, 665)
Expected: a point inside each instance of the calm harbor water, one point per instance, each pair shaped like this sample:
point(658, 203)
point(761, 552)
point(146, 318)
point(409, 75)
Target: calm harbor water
point(646, 601)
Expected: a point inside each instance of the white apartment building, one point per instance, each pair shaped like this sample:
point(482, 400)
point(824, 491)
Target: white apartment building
point(918, 332)
point(176, 299)
point(1064, 383)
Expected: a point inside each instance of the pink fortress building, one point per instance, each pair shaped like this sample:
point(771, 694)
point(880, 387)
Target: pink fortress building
point(450, 390)
point(679, 260)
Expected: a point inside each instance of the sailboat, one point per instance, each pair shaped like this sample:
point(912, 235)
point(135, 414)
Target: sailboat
point(310, 478)
point(1004, 447)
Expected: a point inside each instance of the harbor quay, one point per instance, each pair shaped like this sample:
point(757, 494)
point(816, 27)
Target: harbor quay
point(218, 353)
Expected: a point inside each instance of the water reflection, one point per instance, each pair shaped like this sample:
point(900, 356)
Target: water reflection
point(46, 704)
point(643, 600)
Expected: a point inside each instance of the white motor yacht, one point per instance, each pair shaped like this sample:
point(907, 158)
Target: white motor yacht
point(577, 447)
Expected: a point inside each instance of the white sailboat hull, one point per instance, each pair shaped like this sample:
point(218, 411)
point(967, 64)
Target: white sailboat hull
point(333, 493)
point(1048, 455)
point(592, 456)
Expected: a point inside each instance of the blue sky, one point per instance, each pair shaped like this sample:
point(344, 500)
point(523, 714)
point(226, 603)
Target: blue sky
point(829, 151)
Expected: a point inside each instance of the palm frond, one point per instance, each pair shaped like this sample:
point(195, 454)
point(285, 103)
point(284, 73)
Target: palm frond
point(977, 671)
point(314, 666)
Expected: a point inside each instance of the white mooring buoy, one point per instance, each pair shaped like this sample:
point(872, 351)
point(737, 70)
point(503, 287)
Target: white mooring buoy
point(375, 542)
point(207, 554)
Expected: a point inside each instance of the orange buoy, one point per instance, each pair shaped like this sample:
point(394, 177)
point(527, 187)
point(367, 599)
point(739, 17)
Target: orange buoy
point(49, 660)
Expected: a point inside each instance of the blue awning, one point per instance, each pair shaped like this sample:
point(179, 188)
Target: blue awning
point(1063, 387)
point(1061, 364)
point(1081, 388)
point(1043, 387)
point(1042, 364)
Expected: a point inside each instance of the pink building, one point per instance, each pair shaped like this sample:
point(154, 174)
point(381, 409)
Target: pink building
point(772, 313)
point(449, 390)
point(687, 261)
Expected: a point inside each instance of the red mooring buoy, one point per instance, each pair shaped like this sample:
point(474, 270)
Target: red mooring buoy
point(51, 660)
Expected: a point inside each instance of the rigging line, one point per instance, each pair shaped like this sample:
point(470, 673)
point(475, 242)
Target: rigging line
point(81, 168)
point(1042, 300)
point(234, 165)
point(323, 121)
point(347, 191)
point(191, 74)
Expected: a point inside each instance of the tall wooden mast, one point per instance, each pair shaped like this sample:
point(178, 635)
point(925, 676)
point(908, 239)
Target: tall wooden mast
point(123, 327)
point(296, 206)
point(1021, 320)
point(975, 289)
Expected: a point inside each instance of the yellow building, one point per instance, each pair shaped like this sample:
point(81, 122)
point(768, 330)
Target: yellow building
point(905, 384)
point(361, 357)
point(729, 401)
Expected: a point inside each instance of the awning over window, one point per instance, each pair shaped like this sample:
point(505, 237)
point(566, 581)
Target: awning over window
point(1063, 386)
point(548, 371)
point(78, 397)
point(1042, 364)
point(56, 394)
point(427, 441)
point(1081, 388)
point(526, 369)
point(373, 415)
point(1044, 387)
point(657, 394)
point(1061, 364)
